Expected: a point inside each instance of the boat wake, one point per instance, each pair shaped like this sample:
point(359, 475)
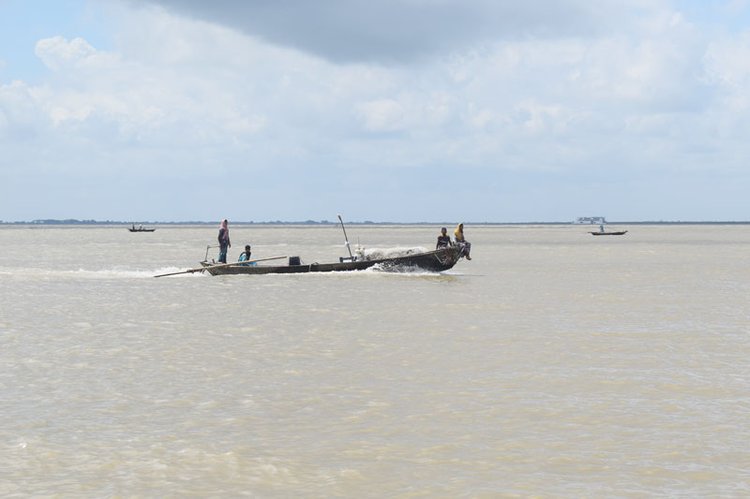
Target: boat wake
point(409, 272)
point(383, 253)
point(108, 274)
point(88, 274)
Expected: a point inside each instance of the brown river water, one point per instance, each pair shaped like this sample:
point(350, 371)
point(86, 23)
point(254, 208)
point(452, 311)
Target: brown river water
point(554, 364)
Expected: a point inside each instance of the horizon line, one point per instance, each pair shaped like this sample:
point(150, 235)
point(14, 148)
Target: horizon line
point(73, 221)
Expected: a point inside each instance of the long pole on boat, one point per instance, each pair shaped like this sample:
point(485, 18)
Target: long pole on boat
point(346, 238)
point(208, 248)
point(201, 269)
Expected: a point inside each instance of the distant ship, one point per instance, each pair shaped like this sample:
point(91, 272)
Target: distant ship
point(591, 220)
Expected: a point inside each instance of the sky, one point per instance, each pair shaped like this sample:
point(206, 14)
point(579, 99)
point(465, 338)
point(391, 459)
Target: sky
point(395, 110)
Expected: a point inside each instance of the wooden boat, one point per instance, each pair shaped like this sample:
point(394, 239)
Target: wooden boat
point(614, 233)
point(431, 261)
point(441, 259)
point(140, 229)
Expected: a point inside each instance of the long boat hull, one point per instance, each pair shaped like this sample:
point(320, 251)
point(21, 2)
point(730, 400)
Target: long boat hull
point(619, 233)
point(141, 230)
point(432, 261)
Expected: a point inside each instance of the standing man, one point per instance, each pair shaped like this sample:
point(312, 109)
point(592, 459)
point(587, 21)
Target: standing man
point(224, 243)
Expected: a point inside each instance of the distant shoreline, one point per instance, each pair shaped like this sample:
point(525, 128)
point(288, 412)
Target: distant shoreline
point(54, 222)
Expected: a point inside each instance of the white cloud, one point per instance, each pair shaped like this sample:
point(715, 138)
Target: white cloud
point(382, 115)
point(21, 111)
point(58, 52)
point(177, 81)
point(728, 64)
point(177, 97)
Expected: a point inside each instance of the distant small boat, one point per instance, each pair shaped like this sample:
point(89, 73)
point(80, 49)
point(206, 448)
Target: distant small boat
point(602, 232)
point(140, 229)
point(616, 233)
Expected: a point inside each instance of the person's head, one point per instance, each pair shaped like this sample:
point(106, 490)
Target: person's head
point(247, 249)
point(443, 231)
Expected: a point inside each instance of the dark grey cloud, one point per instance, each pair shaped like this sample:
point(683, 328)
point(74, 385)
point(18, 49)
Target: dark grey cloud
point(396, 30)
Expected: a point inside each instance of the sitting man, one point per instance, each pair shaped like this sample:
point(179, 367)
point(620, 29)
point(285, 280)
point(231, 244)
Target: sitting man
point(245, 256)
point(458, 235)
point(443, 239)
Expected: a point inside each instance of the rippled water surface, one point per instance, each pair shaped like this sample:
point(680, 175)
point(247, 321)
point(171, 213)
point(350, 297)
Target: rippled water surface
point(552, 364)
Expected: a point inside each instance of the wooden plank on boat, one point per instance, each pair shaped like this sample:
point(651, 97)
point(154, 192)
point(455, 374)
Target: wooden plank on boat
point(201, 269)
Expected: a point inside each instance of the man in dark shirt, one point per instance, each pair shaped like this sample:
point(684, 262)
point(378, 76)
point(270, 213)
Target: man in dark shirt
point(443, 239)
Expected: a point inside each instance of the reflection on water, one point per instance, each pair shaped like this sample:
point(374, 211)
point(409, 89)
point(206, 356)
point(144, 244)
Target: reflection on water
point(554, 363)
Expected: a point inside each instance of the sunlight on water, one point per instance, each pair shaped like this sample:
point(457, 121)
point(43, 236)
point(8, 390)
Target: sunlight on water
point(553, 364)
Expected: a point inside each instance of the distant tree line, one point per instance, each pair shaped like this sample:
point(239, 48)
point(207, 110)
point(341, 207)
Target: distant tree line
point(73, 221)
